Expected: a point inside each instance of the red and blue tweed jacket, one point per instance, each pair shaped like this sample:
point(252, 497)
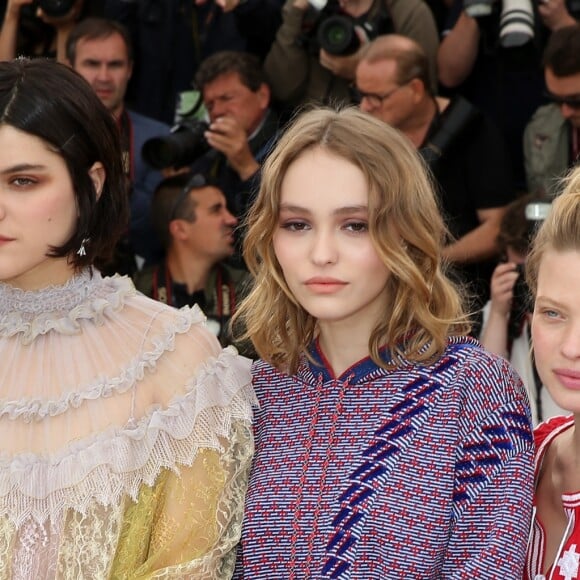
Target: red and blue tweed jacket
point(419, 472)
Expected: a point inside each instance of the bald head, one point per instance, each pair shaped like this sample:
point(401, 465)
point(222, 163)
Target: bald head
point(409, 58)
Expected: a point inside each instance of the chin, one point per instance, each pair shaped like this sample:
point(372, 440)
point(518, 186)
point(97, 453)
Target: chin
point(567, 400)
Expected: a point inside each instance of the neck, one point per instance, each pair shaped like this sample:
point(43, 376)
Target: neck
point(574, 449)
point(566, 461)
point(346, 342)
point(417, 127)
point(188, 269)
point(53, 272)
point(117, 113)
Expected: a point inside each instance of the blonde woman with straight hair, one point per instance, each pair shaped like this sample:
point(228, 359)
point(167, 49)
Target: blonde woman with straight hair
point(389, 444)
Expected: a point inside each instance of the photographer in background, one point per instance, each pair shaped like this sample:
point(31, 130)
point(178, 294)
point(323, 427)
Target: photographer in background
point(100, 51)
point(242, 129)
point(552, 137)
point(196, 229)
point(300, 71)
point(506, 317)
point(41, 27)
point(491, 54)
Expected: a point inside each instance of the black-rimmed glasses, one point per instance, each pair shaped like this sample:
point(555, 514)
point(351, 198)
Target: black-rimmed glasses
point(374, 99)
point(572, 101)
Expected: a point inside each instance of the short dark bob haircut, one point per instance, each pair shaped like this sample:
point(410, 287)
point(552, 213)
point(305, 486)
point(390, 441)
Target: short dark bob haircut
point(52, 102)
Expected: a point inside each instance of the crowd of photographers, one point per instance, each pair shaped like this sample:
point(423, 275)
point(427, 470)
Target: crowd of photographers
point(488, 91)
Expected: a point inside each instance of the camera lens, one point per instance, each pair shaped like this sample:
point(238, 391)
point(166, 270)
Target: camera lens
point(182, 147)
point(56, 8)
point(337, 36)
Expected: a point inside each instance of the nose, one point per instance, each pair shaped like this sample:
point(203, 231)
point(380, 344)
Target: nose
point(103, 72)
point(324, 249)
point(218, 110)
point(230, 219)
point(571, 342)
point(365, 105)
point(567, 111)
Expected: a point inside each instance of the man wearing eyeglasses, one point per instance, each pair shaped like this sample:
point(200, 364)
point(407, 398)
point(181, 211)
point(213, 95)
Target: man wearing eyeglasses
point(472, 170)
point(552, 137)
point(191, 219)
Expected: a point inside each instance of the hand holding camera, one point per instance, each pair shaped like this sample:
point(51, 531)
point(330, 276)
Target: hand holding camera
point(13, 8)
point(191, 139)
point(555, 14)
point(226, 135)
point(344, 65)
point(502, 288)
point(516, 19)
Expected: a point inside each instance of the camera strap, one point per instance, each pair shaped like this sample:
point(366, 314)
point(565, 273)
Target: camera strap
point(223, 293)
point(126, 134)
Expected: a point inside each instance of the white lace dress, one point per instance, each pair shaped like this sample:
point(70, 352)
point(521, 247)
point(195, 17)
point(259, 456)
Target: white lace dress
point(125, 436)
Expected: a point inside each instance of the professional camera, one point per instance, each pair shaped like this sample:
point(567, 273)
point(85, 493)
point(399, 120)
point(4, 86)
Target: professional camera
point(516, 19)
point(326, 26)
point(516, 25)
point(535, 213)
point(337, 36)
point(454, 123)
point(181, 147)
point(54, 8)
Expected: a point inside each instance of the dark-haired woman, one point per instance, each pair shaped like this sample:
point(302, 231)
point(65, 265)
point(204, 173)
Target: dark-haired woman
point(124, 427)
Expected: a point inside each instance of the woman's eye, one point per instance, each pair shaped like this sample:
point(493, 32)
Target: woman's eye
point(295, 226)
point(22, 181)
point(357, 227)
point(550, 313)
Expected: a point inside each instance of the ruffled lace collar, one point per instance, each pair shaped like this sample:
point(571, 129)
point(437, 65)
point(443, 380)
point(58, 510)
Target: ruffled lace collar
point(86, 295)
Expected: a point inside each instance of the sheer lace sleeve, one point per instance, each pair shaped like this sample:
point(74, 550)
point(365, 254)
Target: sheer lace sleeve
point(125, 436)
point(195, 518)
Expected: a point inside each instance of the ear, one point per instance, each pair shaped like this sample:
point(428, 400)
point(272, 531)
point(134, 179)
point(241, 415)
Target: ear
point(263, 93)
point(418, 89)
point(98, 175)
point(178, 229)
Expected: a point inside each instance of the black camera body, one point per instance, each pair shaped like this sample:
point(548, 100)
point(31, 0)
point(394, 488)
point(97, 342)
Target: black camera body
point(180, 148)
point(54, 8)
point(334, 31)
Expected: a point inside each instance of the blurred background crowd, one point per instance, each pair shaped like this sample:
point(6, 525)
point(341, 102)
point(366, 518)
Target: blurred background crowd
point(488, 91)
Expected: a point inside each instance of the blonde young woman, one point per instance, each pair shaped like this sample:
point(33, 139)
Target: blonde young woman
point(553, 273)
point(125, 437)
point(388, 444)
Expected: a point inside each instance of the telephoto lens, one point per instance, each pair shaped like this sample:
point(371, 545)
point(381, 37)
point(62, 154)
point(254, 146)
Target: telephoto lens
point(516, 25)
point(180, 148)
point(337, 36)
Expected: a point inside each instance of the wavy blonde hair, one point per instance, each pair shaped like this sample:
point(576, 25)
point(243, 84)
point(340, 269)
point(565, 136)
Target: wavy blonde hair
point(406, 229)
point(560, 230)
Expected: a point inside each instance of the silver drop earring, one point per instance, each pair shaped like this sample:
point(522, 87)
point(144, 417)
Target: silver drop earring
point(82, 251)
